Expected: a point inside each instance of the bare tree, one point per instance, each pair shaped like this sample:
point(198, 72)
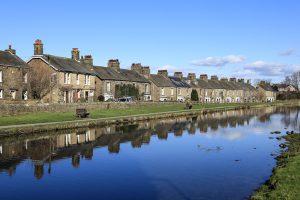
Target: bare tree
point(40, 82)
point(293, 79)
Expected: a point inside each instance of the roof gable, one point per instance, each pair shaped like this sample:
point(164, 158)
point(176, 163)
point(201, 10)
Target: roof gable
point(10, 60)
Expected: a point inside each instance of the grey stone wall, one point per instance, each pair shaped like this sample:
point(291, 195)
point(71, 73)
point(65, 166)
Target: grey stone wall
point(13, 108)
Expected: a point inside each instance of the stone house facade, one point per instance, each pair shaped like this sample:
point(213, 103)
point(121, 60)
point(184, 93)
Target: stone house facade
point(265, 92)
point(70, 79)
point(162, 87)
point(14, 76)
point(109, 78)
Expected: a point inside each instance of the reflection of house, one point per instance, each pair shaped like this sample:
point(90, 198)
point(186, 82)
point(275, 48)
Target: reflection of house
point(70, 79)
point(77, 144)
point(14, 76)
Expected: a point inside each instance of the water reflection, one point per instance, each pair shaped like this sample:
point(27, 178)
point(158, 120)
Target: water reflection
point(79, 144)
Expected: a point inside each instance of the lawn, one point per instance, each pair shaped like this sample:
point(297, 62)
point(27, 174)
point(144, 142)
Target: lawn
point(285, 181)
point(40, 117)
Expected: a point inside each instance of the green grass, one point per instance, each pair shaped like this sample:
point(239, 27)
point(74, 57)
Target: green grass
point(41, 117)
point(285, 181)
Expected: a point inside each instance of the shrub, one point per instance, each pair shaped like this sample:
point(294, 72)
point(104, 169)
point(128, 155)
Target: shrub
point(194, 95)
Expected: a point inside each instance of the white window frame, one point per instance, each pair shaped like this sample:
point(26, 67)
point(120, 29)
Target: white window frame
point(108, 86)
point(67, 78)
point(179, 91)
point(1, 94)
point(162, 91)
point(1, 76)
point(172, 91)
point(87, 80)
point(146, 88)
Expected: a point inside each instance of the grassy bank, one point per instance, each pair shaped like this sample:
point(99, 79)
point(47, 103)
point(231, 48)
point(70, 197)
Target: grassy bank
point(285, 181)
point(42, 117)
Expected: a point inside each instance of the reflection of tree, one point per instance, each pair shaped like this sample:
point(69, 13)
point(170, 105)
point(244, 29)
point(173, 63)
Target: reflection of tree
point(38, 171)
point(178, 132)
point(114, 147)
point(75, 161)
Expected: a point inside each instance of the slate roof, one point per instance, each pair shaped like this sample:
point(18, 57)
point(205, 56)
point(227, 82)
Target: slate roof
point(10, 60)
point(178, 82)
point(63, 64)
point(219, 84)
point(267, 87)
point(161, 81)
point(107, 73)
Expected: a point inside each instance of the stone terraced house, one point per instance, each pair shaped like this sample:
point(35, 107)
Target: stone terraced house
point(265, 92)
point(163, 89)
point(112, 77)
point(70, 79)
point(56, 79)
point(14, 75)
point(170, 88)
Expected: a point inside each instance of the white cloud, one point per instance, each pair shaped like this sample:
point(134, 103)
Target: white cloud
point(219, 61)
point(288, 52)
point(263, 68)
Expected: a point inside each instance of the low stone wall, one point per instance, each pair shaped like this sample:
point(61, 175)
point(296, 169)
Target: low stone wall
point(14, 108)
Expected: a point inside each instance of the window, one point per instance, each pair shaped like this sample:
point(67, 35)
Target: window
point(162, 91)
point(13, 94)
point(87, 80)
point(172, 91)
point(179, 91)
point(25, 95)
point(0, 76)
point(1, 94)
point(25, 78)
point(108, 87)
point(77, 79)
point(146, 88)
point(67, 78)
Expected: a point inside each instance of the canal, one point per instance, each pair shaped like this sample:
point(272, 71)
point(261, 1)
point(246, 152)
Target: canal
point(220, 155)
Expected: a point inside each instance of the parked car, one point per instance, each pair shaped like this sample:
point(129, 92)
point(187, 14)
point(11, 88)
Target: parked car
point(127, 99)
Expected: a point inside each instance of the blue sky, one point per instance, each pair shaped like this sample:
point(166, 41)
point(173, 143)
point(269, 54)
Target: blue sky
point(245, 38)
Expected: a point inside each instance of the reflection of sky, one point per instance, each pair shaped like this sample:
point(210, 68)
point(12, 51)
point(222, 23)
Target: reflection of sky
point(176, 168)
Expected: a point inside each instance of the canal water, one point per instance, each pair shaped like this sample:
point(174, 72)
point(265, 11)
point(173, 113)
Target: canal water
point(221, 155)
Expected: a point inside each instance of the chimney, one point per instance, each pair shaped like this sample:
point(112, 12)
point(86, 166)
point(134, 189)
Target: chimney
point(263, 82)
point(75, 54)
point(224, 79)
point(146, 71)
point(178, 75)
point(241, 80)
point(214, 78)
point(114, 63)
point(192, 76)
point(248, 81)
point(204, 77)
point(136, 67)
point(163, 72)
point(88, 61)
point(12, 51)
point(233, 79)
point(38, 47)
